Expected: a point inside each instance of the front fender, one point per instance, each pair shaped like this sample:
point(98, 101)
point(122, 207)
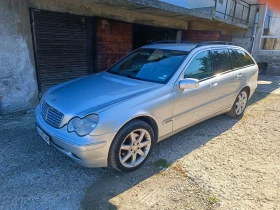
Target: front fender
point(157, 105)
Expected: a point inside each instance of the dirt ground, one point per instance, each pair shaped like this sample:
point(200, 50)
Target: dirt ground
point(222, 163)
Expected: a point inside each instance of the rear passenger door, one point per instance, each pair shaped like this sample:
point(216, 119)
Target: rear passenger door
point(229, 76)
point(246, 68)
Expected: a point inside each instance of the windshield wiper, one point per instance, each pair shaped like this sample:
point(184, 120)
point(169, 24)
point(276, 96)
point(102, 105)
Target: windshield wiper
point(126, 75)
point(132, 77)
point(113, 72)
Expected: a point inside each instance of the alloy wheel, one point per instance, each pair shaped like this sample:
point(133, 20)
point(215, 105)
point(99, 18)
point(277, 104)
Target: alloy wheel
point(135, 148)
point(241, 103)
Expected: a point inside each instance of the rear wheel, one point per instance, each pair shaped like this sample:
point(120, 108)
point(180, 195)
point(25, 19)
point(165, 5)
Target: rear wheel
point(132, 146)
point(239, 105)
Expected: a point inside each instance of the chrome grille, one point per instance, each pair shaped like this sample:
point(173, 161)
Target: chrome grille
point(51, 115)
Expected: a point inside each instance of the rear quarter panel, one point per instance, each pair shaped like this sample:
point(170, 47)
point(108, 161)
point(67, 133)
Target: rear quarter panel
point(251, 77)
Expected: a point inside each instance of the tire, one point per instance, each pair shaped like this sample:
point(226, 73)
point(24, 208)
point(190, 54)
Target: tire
point(131, 146)
point(240, 104)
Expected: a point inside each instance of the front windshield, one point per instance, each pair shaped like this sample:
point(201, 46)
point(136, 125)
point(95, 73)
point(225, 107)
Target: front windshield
point(154, 65)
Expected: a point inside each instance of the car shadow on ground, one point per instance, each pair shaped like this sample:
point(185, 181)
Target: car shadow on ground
point(266, 85)
point(113, 183)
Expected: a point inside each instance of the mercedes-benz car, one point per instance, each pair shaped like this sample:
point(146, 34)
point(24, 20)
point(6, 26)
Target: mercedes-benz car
point(117, 116)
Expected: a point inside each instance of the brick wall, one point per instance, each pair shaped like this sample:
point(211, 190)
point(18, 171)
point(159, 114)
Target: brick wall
point(203, 35)
point(200, 36)
point(224, 37)
point(114, 41)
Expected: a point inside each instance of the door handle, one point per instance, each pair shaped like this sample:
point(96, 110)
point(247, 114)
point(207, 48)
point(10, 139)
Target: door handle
point(239, 76)
point(214, 84)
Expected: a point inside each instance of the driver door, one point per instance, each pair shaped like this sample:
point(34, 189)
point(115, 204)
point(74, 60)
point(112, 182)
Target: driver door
point(192, 105)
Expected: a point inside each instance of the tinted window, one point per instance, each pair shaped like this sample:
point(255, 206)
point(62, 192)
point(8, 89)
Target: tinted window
point(200, 67)
point(222, 61)
point(244, 58)
point(154, 65)
point(236, 63)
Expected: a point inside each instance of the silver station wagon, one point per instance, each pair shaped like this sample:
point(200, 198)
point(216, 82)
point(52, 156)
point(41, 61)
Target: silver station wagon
point(115, 117)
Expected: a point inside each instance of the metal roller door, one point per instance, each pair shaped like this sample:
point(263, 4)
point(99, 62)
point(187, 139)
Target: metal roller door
point(63, 47)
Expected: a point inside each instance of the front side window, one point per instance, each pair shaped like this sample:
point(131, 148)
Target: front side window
point(222, 61)
point(271, 31)
point(200, 67)
point(154, 65)
point(245, 59)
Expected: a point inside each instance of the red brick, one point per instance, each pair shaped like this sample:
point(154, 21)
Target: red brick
point(225, 37)
point(201, 35)
point(114, 41)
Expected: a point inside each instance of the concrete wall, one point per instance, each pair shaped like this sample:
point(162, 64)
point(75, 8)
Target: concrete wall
point(191, 4)
point(18, 86)
point(90, 8)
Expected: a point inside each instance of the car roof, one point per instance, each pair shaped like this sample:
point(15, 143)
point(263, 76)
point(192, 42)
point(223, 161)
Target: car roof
point(174, 46)
point(188, 46)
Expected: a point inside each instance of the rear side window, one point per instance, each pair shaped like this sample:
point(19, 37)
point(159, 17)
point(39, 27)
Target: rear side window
point(222, 61)
point(236, 62)
point(200, 67)
point(245, 59)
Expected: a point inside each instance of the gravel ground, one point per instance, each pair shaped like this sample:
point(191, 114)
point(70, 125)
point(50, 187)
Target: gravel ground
point(242, 164)
point(222, 163)
point(35, 176)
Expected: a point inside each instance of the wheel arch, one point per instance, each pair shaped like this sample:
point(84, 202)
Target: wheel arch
point(248, 89)
point(145, 118)
point(151, 121)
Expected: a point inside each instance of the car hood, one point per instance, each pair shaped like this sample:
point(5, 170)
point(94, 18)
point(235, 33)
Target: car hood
point(95, 93)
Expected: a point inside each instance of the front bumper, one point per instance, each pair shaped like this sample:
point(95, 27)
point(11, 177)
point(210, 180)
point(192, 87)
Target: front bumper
point(89, 151)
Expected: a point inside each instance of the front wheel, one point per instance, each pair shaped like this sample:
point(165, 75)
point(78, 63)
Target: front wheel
point(239, 105)
point(131, 146)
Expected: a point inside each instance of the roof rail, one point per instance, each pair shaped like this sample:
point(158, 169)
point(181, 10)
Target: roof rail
point(170, 41)
point(215, 42)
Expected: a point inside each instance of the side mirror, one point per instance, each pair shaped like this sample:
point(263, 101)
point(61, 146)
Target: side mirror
point(188, 84)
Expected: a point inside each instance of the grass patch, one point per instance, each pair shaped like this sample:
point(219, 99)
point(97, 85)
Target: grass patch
point(162, 163)
point(213, 199)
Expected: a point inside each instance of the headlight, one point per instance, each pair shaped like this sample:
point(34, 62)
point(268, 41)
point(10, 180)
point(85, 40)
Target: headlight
point(83, 126)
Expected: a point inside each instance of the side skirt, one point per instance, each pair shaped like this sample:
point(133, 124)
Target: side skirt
point(192, 124)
